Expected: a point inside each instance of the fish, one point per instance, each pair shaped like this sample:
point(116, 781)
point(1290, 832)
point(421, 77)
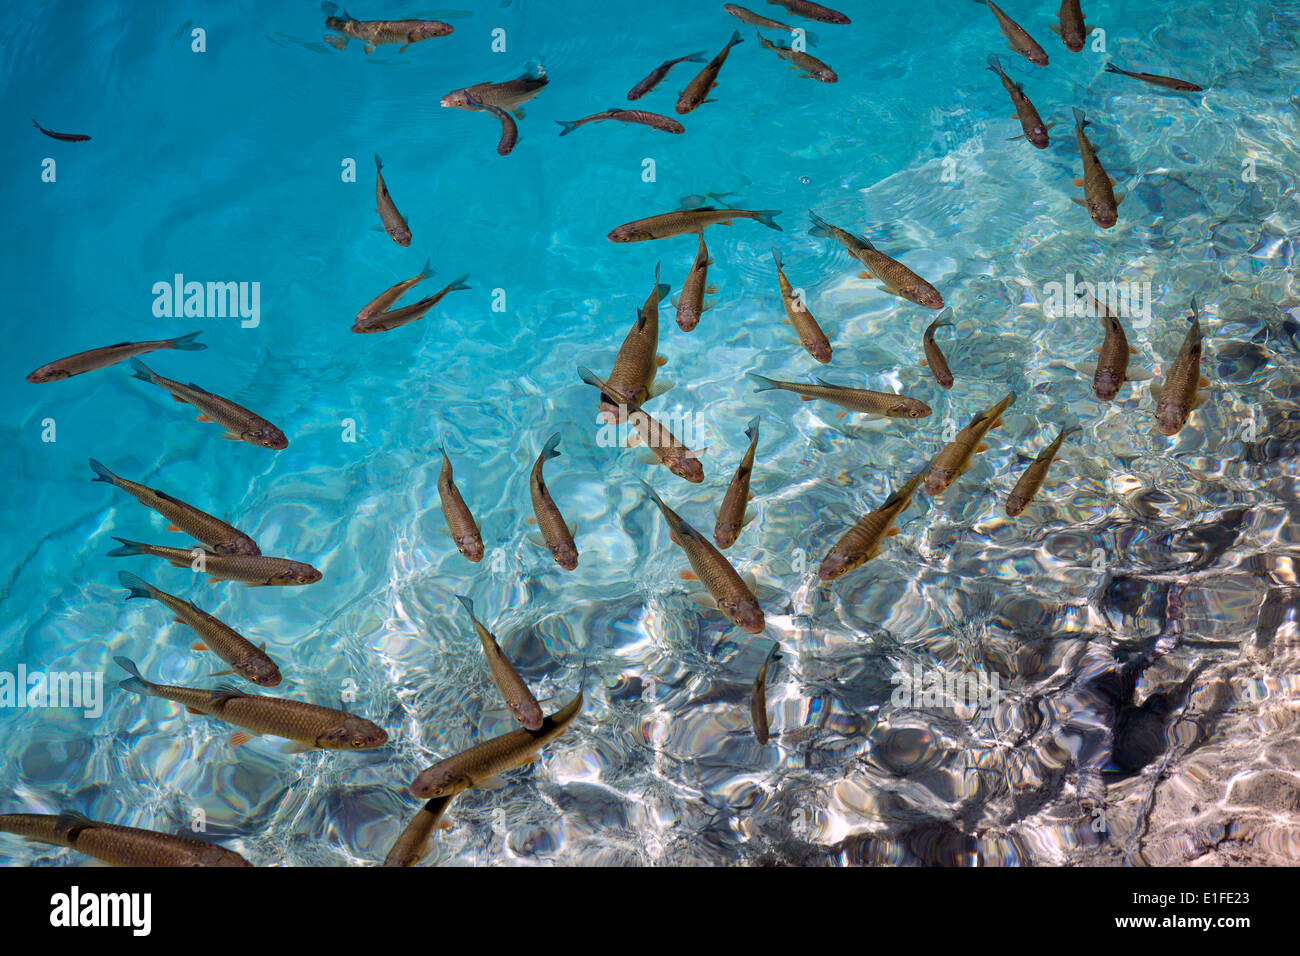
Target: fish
point(867, 537)
point(1072, 30)
point(1023, 493)
point(690, 303)
point(115, 845)
point(509, 131)
point(1168, 82)
point(461, 525)
point(66, 137)
point(729, 592)
point(731, 515)
point(812, 11)
point(245, 658)
point(396, 318)
point(377, 32)
point(510, 95)
point(894, 277)
point(381, 302)
point(1019, 41)
point(1180, 394)
point(632, 380)
point(240, 424)
point(99, 358)
point(861, 400)
point(1101, 202)
point(254, 570)
point(1032, 124)
point(217, 536)
point(934, 359)
point(954, 460)
point(758, 699)
point(752, 19)
point(666, 447)
point(411, 846)
point(658, 74)
point(638, 117)
point(484, 761)
point(799, 60)
point(514, 691)
point(811, 336)
point(558, 538)
point(307, 725)
point(394, 222)
point(1113, 355)
point(706, 79)
point(683, 221)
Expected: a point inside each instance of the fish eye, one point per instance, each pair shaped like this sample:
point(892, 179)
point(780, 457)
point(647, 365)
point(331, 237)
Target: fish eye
point(358, 742)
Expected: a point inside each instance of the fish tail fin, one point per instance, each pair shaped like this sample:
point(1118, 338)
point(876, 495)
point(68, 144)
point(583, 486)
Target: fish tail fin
point(329, 9)
point(944, 319)
point(535, 70)
point(128, 548)
point(379, 163)
point(466, 603)
point(569, 126)
point(427, 270)
point(768, 218)
point(701, 57)
point(1111, 67)
point(751, 430)
point(764, 383)
point(820, 226)
point(1079, 117)
point(102, 473)
point(776, 256)
point(662, 288)
point(994, 65)
point(1071, 429)
point(36, 124)
point(458, 283)
point(551, 448)
point(138, 586)
point(136, 684)
point(186, 343)
point(142, 371)
point(654, 496)
point(735, 38)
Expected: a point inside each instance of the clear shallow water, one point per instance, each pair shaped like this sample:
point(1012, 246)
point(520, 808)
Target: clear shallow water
point(225, 166)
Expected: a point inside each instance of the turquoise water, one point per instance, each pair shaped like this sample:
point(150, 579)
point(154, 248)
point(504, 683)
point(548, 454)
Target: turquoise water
point(226, 165)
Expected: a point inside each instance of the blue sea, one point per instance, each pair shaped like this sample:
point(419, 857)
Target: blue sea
point(1148, 568)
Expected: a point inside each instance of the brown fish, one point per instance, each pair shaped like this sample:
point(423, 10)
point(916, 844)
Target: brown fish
point(510, 95)
point(1101, 202)
point(394, 223)
point(934, 359)
point(894, 277)
point(706, 79)
point(758, 699)
point(1168, 82)
point(731, 515)
point(811, 336)
point(657, 75)
point(1030, 121)
point(254, 570)
point(414, 841)
point(682, 221)
point(632, 380)
point(691, 303)
point(861, 400)
point(954, 460)
point(1072, 30)
point(637, 117)
point(94, 359)
point(240, 424)
point(1017, 38)
point(867, 538)
point(1180, 394)
point(1113, 355)
point(381, 302)
point(216, 535)
point(799, 60)
point(750, 18)
point(509, 131)
point(667, 449)
point(66, 137)
point(307, 725)
point(812, 11)
point(396, 318)
point(1023, 493)
point(118, 846)
point(460, 522)
point(555, 533)
point(375, 33)
point(513, 689)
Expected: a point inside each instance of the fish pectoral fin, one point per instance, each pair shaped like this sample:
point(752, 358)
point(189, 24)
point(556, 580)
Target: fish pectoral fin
point(1055, 28)
point(710, 289)
point(648, 458)
point(573, 528)
point(1200, 399)
point(240, 737)
point(658, 388)
point(1140, 375)
point(1202, 382)
point(1156, 391)
point(1113, 180)
point(982, 446)
point(172, 527)
point(1132, 350)
point(891, 532)
point(498, 782)
point(1120, 197)
point(689, 575)
point(1012, 139)
point(370, 48)
point(295, 747)
point(530, 520)
point(660, 361)
point(247, 584)
point(402, 49)
point(1087, 368)
point(229, 437)
point(537, 540)
point(197, 645)
point(704, 599)
point(1078, 201)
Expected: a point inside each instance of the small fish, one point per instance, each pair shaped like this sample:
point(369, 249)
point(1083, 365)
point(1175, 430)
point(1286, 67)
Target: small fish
point(1019, 41)
point(482, 762)
point(118, 846)
point(1030, 121)
point(66, 137)
point(460, 523)
point(411, 846)
point(632, 380)
point(799, 60)
point(394, 223)
point(1023, 493)
point(1168, 82)
point(812, 11)
point(381, 302)
point(255, 570)
point(752, 19)
point(1113, 355)
point(1102, 202)
point(1072, 30)
point(240, 424)
point(215, 534)
point(514, 691)
point(658, 74)
point(509, 131)
point(934, 359)
point(396, 318)
point(867, 538)
point(894, 277)
point(758, 699)
point(245, 658)
point(861, 400)
point(377, 32)
point(639, 117)
point(683, 221)
point(731, 515)
point(728, 590)
point(94, 359)
point(558, 538)
point(690, 303)
point(706, 79)
point(666, 447)
point(811, 336)
point(1180, 395)
point(307, 725)
point(510, 95)
point(954, 460)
